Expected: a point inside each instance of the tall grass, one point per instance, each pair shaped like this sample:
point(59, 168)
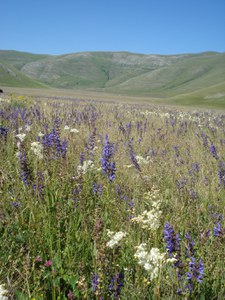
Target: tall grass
point(112, 201)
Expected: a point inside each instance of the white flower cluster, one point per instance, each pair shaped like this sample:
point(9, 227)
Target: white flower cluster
point(71, 130)
point(115, 238)
point(4, 100)
point(142, 161)
point(37, 148)
point(28, 128)
point(149, 113)
point(155, 113)
point(21, 136)
point(152, 195)
point(150, 219)
point(74, 130)
point(40, 134)
point(3, 291)
point(87, 166)
point(151, 261)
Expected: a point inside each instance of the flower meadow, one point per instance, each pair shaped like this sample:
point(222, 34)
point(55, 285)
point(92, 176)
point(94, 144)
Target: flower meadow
point(111, 200)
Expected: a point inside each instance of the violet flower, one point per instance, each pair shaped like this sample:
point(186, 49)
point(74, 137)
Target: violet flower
point(97, 189)
point(221, 173)
point(213, 151)
point(172, 240)
point(116, 284)
point(218, 231)
point(173, 247)
point(64, 147)
point(24, 167)
point(108, 166)
point(133, 157)
point(196, 272)
point(95, 282)
point(190, 245)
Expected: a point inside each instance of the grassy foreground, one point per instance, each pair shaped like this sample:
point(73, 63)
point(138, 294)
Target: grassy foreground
point(110, 201)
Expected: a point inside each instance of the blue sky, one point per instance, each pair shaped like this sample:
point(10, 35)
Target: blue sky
point(144, 26)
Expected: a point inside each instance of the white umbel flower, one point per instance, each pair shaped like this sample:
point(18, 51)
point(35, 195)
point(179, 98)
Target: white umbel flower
point(21, 136)
point(142, 161)
point(115, 238)
point(37, 148)
point(149, 219)
point(87, 166)
point(74, 130)
point(151, 261)
point(40, 134)
point(3, 291)
point(28, 128)
point(66, 128)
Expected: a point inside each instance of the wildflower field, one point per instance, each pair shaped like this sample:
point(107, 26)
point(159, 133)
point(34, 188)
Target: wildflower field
point(104, 200)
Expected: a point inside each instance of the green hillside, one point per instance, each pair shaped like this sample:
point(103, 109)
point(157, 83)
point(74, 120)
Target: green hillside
point(10, 76)
point(93, 69)
point(19, 59)
point(211, 97)
point(184, 76)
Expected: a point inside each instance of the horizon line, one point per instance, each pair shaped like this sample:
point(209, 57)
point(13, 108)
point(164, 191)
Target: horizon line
point(113, 51)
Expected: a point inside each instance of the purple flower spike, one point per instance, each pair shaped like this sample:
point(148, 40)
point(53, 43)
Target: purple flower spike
point(196, 270)
point(26, 173)
point(64, 148)
point(221, 173)
point(213, 151)
point(116, 284)
point(133, 157)
point(218, 231)
point(172, 240)
point(108, 166)
point(94, 283)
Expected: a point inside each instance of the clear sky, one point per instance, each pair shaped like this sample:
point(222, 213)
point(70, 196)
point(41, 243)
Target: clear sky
point(141, 26)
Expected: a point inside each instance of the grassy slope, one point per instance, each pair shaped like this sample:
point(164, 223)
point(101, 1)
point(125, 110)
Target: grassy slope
point(10, 76)
point(189, 79)
point(210, 97)
point(94, 70)
point(11, 62)
point(183, 77)
point(19, 59)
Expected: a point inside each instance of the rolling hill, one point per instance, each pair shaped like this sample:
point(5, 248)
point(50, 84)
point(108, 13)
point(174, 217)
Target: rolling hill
point(10, 76)
point(121, 73)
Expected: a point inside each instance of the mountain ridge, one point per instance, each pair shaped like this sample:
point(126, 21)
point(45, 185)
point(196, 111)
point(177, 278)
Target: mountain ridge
point(124, 73)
